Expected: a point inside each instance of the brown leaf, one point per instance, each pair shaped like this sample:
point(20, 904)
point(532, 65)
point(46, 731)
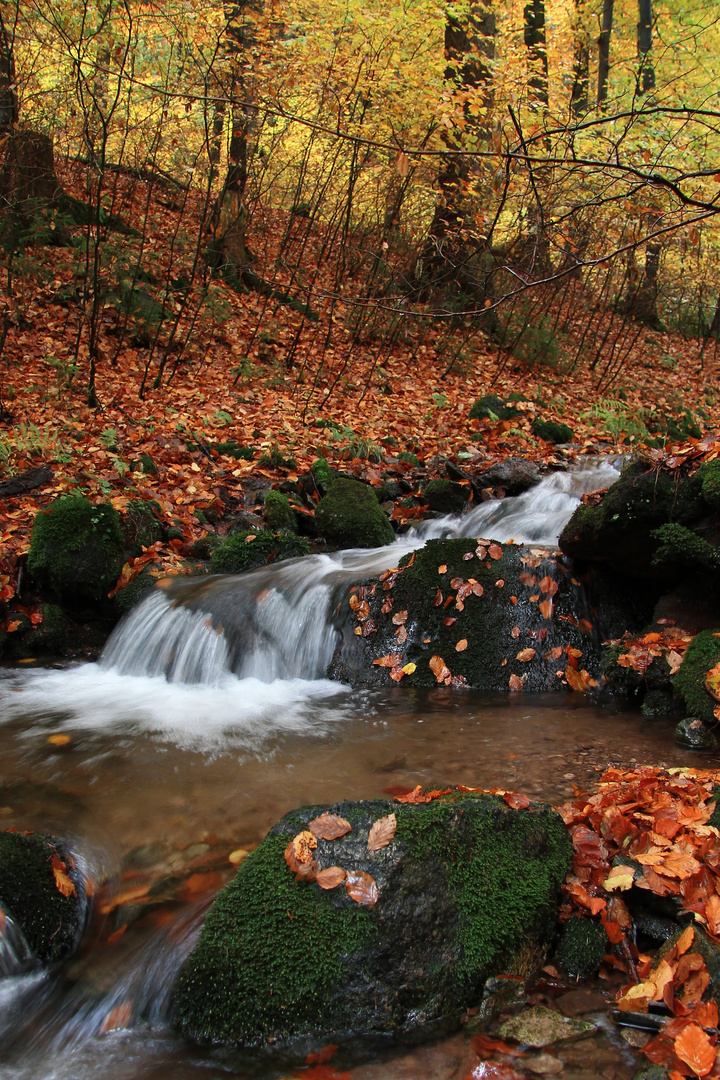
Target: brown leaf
point(548, 585)
point(515, 632)
point(515, 682)
point(399, 618)
point(528, 579)
point(329, 827)
point(331, 877)
point(515, 800)
point(299, 851)
point(119, 1017)
point(438, 599)
point(361, 888)
point(576, 679)
point(525, 655)
point(438, 668)
point(546, 608)
point(382, 832)
point(495, 551)
point(63, 882)
point(481, 552)
point(442, 569)
point(449, 620)
point(461, 645)
point(456, 582)
point(693, 1046)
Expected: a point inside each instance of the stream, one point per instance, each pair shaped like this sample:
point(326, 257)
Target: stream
point(205, 720)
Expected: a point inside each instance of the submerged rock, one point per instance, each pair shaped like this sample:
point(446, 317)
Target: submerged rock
point(466, 888)
point(493, 616)
point(540, 1026)
point(42, 892)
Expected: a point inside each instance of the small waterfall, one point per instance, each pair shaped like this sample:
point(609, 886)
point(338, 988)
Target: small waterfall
point(15, 954)
point(276, 622)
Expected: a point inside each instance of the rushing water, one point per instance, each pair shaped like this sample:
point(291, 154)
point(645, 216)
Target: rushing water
point(207, 719)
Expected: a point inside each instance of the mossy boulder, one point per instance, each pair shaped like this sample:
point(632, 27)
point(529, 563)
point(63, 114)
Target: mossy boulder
point(445, 496)
point(141, 525)
point(133, 593)
point(702, 653)
point(51, 921)
point(351, 517)
point(76, 549)
point(708, 476)
point(622, 529)
point(246, 549)
point(452, 599)
point(279, 513)
point(467, 888)
point(693, 734)
point(582, 945)
point(492, 407)
point(552, 431)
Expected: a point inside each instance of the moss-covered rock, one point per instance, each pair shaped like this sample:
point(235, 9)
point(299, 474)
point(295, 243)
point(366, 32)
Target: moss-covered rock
point(708, 476)
point(438, 592)
point(322, 472)
point(350, 516)
point(702, 653)
point(141, 525)
point(552, 431)
point(582, 945)
point(234, 450)
point(77, 549)
point(621, 531)
point(246, 549)
point(133, 593)
point(50, 921)
point(467, 888)
point(445, 496)
point(279, 513)
point(681, 549)
point(492, 407)
point(693, 734)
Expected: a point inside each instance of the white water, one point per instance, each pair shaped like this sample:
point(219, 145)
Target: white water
point(227, 662)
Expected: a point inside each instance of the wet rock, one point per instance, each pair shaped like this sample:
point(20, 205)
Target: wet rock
point(692, 733)
point(494, 624)
point(445, 496)
point(246, 550)
point(651, 1072)
point(514, 475)
point(540, 1027)
point(499, 995)
point(467, 887)
point(583, 943)
point(350, 516)
point(543, 1065)
point(577, 1002)
point(42, 892)
point(552, 431)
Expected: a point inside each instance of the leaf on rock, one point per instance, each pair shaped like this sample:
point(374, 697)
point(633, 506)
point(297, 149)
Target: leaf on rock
point(63, 882)
point(331, 877)
point(329, 827)
point(515, 632)
point(495, 551)
point(299, 851)
point(674, 660)
point(461, 645)
point(693, 1046)
point(546, 608)
point(548, 585)
point(408, 669)
point(528, 579)
point(399, 618)
point(576, 679)
point(456, 582)
point(516, 682)
point(390, 660)
point(361, 888)
point(525, 655)
point(382, 833)
point(449, 620)
point(439, 669)
point(437, 602)
point(516, 800)
point(712, 682)
point(442, 569)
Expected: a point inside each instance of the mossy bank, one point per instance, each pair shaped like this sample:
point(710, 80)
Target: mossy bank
point(467, 888)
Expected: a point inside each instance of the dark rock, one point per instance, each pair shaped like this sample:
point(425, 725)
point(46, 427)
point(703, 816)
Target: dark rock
point(141, 525)
point(445, 496)
point(495, 628)
point(583, 943)
point(540, 1026)
point(692, 733)
point(26, 481)
point(244, 522)
point(50, 921)
point(467, 888)
point(76, 549)
point(552, 431)
point(707, 948)
point(237, 553)
point(579, 1002)
point(350, 516)
point(515, 475)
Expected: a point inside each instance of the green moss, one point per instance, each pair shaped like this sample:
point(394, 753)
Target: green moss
point(322, 472)
point(283, 961)
point(141, 525)
point(237, 554)
point(234, 450)
point(492, 407)
point(77, 548)
point(708, 476)
point(445, 496)
point(350, 516)
point(679, 547)
point(279, 512)
point(409, 459)
point(147, 465)
point(582, 946)
point(703, 653)
point(136, 591)
point(552, 431)
point(50, 921)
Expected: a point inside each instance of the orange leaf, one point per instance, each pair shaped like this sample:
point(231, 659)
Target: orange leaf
point(461, 645)
point(329, 827)
point(525, 655)
point(319, 1057)
point(576, 679)
point(546, 608)
point(63, 882)
point(361, 888)
point(119, 1017)
point(442, 569)
point(382, 833)
point(438, 668)
point(694, 1047)
point(495, 551)
point(515, 682)
point(331, 877)
point(515, 800)
point(548, 585)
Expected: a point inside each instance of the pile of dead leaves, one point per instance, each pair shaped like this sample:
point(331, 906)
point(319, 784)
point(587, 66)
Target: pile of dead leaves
point(640, 652)
point(300, 855)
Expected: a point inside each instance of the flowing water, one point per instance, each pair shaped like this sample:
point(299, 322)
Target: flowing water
point(206, 719)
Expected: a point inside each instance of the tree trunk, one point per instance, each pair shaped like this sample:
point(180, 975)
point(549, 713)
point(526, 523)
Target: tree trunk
point(646, 72)
point(604, 52)
point(580, 94)
point(8, 97)
point(469, 52)
point(536, 44)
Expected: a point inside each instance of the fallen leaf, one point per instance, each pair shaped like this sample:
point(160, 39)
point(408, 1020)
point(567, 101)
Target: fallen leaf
point(299, 851)
point(548, 585)
point(328, 827)
point(693, 1046)
point(461, 645)
point(58, 740)
point(408, 669)
point(525, 655)
point(237, 856)
point(399, 618)
point(528, 579)
point(516, 801)
point(546, 608)
point(63, 882)
point(119, 1017)
point(438, 668)
point(442, 569)
point(331, 877)
point(515, 632)
point(382, 832)
point(712, 682)
point(320, 1057)
point(515, 682)
point(576, 679)
point(495, 551)
point(361, 888)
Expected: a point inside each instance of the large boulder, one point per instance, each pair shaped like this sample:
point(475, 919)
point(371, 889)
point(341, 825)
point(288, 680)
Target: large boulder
point(42, 892)
point(514, 475)
point(466, 887)
point(496, 616)
point(76, 549)
point(351, 517)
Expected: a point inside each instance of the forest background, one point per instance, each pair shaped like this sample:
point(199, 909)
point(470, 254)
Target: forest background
point(238, 237)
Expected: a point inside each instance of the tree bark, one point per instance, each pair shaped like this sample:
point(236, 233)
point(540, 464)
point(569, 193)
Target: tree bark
point(580, 94)
point(8, 97)
point(536, 44)
point(604, 52)
point(646, 73)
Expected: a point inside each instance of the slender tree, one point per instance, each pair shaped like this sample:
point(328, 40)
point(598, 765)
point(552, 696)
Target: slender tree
point(536, 43)
point(580, 94)
point(604, 52)
point(646, 72)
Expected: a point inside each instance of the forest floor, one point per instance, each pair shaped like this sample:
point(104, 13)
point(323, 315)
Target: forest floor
point(234, 383)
